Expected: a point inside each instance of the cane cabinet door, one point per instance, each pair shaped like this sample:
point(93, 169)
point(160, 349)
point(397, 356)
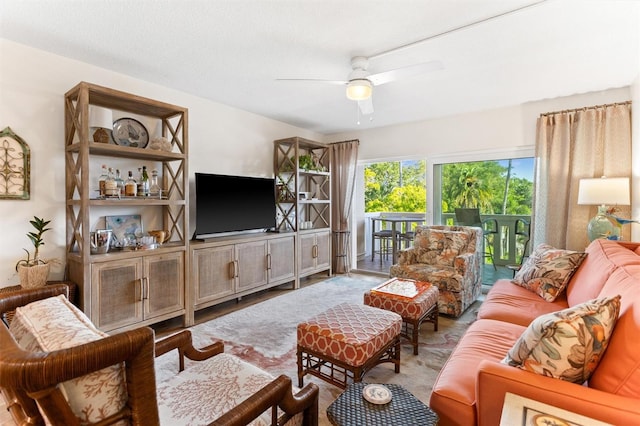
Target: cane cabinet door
point(117, 293)
point(251, 261)
point(281, 260)
point(213, 273)
point(163, 290)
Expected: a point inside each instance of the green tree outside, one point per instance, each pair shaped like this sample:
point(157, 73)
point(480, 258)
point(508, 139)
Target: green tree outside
point(492, 187)
point(395, 187)
point(482, 184)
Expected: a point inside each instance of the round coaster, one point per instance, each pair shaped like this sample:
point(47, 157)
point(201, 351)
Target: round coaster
point(376, 394)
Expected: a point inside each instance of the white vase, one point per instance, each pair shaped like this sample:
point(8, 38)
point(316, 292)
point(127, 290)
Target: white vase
point(33, 276)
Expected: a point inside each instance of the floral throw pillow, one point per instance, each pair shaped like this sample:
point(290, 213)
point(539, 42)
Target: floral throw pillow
point(548, 271)
point(54, 323)
point(567, 344)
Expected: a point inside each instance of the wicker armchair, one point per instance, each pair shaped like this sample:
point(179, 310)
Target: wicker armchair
point(448, 257)
point(27, 377)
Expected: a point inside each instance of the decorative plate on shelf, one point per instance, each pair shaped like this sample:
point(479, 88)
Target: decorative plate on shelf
point(130, 132)
point(376, 394)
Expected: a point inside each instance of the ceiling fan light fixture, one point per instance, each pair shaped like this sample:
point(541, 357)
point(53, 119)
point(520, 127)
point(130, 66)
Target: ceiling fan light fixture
point(359, 89)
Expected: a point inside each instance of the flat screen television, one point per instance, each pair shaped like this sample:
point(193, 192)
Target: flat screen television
point(227, 204)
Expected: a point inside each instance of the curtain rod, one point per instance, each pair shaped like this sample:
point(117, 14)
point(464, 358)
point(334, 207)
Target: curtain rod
point(350, 140)
point(544, 114)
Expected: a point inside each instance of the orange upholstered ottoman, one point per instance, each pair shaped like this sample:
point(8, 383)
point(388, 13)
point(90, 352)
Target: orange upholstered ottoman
point(346, 341)
point(416, 307)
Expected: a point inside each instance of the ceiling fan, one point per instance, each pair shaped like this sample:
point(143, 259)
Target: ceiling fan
point(360, 82)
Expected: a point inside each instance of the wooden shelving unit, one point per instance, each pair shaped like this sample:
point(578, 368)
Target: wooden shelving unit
point(126, 289)
point(303, 200)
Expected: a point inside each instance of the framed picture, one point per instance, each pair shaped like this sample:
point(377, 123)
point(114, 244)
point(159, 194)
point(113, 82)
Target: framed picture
point(126, 229)
point(518, 410)
point(16, 166)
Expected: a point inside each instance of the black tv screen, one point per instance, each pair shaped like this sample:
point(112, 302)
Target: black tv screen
point(233, 203)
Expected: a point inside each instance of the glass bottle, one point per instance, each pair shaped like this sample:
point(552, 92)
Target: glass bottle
point(102, 179)
point(110, 185)
point(139, 181)
point(145, 182)
point(130, 186)
point(119, 183)
point(154, 187)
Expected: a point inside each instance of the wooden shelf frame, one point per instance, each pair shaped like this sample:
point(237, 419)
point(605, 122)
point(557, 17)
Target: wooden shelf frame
point(78, 192)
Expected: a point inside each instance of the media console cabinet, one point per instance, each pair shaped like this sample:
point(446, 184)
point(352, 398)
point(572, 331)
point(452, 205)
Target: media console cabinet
point(225, 268)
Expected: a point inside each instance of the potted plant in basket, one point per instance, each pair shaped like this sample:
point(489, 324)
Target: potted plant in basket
point(33, 271)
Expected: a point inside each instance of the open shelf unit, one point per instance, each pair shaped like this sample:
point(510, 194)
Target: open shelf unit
point(303, 200)
point(128, 288)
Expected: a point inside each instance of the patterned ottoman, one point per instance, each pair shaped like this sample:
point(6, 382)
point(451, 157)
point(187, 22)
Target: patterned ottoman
point(346, 341)
point(413, 310)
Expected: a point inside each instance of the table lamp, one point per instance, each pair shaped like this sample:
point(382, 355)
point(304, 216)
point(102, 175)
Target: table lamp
point(100, 123)
point(602, 192)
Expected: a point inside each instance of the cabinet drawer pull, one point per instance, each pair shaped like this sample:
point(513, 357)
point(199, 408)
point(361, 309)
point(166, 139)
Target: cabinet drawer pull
point(146, 288)
point(139, 290)
point(232, 269)
point(236, 268)
point(269, 261)
point(315, 251)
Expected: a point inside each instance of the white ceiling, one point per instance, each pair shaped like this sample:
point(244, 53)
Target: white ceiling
point(233, 51)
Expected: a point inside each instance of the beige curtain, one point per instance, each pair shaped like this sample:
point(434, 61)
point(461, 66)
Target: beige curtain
point(344, 157)
point(570, 145)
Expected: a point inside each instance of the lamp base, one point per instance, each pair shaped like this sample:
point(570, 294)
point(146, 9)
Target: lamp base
point(601, 227)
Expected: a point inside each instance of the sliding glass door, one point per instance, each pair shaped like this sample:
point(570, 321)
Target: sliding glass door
point(502, 191)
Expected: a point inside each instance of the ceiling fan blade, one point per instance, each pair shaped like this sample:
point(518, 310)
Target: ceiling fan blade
point(405, 72)
point(366, 106)
point(315, 80)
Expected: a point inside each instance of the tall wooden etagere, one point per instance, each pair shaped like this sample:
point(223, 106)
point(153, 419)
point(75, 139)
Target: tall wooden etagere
point(303, 200)
point(127, 288)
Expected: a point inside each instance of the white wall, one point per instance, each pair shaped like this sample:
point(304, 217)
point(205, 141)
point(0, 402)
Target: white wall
point(222, 139)
point(32, 87)
point(468, 137)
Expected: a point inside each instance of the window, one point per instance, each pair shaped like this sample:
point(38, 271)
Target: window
point(502, 187)
point(395, 186)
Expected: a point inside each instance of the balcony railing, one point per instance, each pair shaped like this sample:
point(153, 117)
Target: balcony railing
point(508, 246)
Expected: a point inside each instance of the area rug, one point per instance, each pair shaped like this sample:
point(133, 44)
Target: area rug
point(265, 335)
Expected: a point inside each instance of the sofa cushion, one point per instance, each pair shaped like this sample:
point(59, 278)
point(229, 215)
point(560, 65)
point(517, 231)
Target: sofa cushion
point(619, 369)
point(548, 270)
point(512, 303)
point(54, 323)
point(603, 257)
point(186, 398)
point(454, 393)
point(567, 344)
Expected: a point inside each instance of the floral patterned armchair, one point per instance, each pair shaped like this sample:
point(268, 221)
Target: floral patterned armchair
point(448, 257)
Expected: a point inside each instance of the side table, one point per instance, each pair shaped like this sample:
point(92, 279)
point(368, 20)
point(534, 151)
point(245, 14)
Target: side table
point(351, 409)
point(414, 310)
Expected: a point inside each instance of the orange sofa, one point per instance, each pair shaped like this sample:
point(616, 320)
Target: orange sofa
point(471, 387)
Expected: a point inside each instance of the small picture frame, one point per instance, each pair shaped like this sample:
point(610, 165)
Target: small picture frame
point(126, 229)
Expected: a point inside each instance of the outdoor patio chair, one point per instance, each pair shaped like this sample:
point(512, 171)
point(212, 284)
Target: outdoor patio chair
point(522, 230)
point(471, 217)
point(384, 238)
point(111, 379)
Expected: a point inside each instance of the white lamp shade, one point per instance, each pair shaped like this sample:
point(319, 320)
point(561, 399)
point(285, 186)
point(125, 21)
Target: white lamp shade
point(100, 117)
point(359, 89)
point(604, 191)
